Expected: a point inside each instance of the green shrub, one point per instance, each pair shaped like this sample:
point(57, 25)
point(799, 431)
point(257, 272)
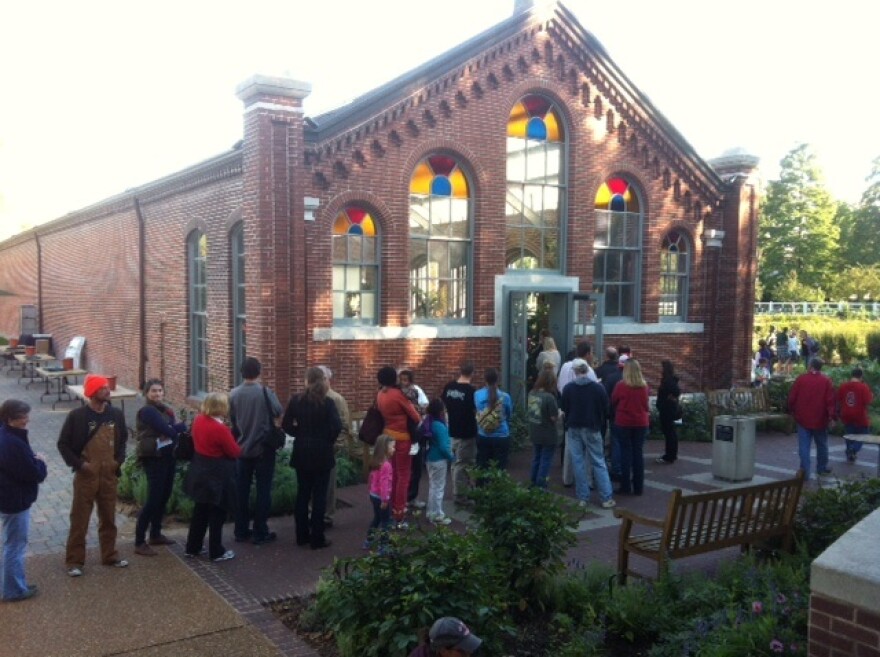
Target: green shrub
point(379, 606)
point(694, 425)
point(528, 529)
point(826, 514)
point(348, 471)
point(637, 613)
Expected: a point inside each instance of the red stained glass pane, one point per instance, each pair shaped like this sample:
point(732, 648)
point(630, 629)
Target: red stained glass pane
point(536, 105)
point(617, 185)
point(441, 164)
point(356, 215)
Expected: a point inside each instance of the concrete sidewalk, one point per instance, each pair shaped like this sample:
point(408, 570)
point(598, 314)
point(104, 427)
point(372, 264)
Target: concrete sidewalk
point(161, 610)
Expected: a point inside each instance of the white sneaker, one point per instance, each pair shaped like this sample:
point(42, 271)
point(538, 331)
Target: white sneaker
point(609, 504)
point(226, 556)
point(75, 572)
point(441, 520)
point(418, 504)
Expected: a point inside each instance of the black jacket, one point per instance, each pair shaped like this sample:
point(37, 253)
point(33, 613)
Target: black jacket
point(75, 434)
point(20, 471)
point(314, 428)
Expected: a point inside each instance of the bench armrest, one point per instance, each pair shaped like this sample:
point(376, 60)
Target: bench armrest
point(627, 515)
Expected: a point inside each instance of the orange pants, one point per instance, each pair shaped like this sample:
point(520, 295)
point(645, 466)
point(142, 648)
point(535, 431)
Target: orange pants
point(95, 486)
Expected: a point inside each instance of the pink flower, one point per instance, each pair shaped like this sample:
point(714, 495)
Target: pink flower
point(776, 645)
point(757, 607)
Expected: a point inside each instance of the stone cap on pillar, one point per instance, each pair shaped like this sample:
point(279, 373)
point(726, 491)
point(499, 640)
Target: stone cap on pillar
point(262, 86)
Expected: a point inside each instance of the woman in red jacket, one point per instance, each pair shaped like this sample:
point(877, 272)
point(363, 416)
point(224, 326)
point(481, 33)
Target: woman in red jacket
point(396, 409)
point(632, 418)
point(210, 481)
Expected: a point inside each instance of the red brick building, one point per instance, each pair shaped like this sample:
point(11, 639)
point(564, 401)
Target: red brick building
point(517, 182)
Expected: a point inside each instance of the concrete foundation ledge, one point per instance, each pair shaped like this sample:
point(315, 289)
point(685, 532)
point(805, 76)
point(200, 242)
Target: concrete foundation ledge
point(848, 570)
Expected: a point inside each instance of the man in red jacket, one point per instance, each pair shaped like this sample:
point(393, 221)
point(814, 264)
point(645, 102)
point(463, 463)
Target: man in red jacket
point(811, 401)
point(853, 399)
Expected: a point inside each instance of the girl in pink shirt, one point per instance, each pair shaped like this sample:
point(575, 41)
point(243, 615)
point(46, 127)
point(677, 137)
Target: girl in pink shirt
point(381, 476)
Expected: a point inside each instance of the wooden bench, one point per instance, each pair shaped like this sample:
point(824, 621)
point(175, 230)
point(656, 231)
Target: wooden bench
point(705, 522)
point(749, 402)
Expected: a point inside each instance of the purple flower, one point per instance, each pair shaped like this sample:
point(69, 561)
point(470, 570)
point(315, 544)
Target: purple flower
point(776, 645)
point(780, 598)
point(757, 607)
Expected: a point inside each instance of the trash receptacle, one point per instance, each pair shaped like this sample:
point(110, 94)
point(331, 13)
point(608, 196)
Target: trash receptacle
point(733, 448)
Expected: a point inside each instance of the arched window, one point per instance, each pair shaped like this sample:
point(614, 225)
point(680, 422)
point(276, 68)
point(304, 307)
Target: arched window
point(439, 240)
point(355, 267)
point(535, 185)
point(197, 257)
point(674, 271)
point(239, 318)
point(617, 248)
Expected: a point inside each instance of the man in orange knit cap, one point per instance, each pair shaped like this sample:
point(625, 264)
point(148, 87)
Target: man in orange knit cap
point(92, 443)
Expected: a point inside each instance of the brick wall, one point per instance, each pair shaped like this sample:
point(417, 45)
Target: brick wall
point(18, 282)
point(841, 629)
point(91, 281)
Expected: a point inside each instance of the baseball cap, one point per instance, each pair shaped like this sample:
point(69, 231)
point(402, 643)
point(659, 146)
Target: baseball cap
point(450, 632)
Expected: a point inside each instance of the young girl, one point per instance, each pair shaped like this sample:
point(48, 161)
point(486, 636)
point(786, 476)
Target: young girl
point(438, 459)
point(381, 475)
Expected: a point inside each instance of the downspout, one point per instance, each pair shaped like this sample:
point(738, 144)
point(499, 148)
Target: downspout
point(39, 281)
point(142, 290)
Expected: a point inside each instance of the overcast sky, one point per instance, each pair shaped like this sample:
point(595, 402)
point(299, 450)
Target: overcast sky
point(101, 96)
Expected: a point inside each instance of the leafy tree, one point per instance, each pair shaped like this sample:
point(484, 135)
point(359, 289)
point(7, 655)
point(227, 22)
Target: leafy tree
point(791, 289)
point(860, 227)
point(857, 281)
point(798, 232)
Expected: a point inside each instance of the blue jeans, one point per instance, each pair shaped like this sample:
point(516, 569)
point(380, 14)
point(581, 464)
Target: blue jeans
point(632, 458)
point(15, 538)
point(541, 461)
point(160, 481)
point(262, 469)
point(615, 449)
point(805, 437)
point(378, 531)
point(854, 446)
point(584, 444)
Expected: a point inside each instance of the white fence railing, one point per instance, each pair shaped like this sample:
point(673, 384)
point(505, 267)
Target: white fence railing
point(869, 308)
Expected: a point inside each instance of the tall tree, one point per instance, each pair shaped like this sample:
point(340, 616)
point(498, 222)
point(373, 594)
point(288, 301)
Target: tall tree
point(798, 232)
point(860, 227)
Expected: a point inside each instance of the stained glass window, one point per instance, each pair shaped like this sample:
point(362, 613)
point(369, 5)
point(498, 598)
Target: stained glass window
point(535, 184)
point(439, 240)
point(355, 247)
point(617, 247)
point(674, 272)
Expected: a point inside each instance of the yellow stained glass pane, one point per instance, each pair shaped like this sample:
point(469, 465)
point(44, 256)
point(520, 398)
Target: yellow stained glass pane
point(459, 184)
point(554, 130)
point(603, 197)
point(420, 183)
point(369, 226)
point(518, 122)
point(340, 226)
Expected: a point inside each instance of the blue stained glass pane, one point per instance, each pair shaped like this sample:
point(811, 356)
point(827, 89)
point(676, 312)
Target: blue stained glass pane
point(355, 230)
point(618, 204)
point(537, 129)
point(441, 186)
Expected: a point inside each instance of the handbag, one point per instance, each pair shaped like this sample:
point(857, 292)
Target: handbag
point(274, 438)
point(145, 446)
point(184, 449)
point(372, 426)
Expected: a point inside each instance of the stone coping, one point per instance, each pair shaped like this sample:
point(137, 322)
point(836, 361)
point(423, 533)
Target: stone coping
point(847, 571)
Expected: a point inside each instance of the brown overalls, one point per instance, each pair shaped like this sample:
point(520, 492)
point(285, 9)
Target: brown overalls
point(97, 485)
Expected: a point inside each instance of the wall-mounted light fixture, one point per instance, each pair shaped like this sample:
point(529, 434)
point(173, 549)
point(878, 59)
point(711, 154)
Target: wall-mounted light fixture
point(311, 204)
point(713, 237)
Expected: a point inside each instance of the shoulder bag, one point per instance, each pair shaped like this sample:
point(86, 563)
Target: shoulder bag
point(274, 438)
point(372, 426)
